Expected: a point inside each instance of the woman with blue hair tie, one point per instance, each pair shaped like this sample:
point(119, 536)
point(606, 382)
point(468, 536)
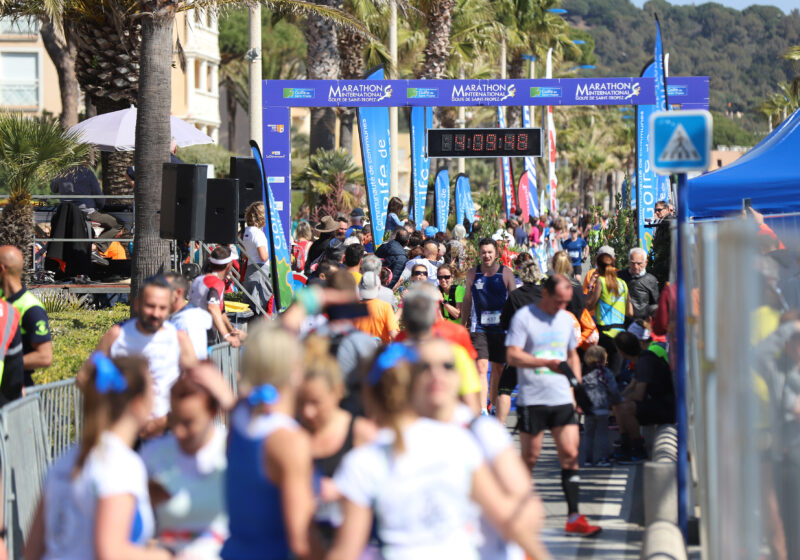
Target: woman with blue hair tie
point(268, 482)
point(95, 502)
point(418, 479)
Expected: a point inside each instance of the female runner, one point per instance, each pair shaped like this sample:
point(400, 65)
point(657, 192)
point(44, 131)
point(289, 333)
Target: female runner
point(95, 502)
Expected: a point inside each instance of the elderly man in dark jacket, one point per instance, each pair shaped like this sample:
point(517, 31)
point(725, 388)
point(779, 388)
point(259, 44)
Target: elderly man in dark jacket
point(394, 255)
point(642, 286)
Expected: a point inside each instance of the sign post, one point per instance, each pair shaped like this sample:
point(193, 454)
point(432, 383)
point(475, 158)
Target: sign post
point(682, 143)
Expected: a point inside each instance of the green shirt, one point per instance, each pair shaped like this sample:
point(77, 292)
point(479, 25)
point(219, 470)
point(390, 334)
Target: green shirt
point(453, 297)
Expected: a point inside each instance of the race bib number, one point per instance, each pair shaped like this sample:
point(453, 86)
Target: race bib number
point(574, 255)
point(490, 318)
point(548, 355)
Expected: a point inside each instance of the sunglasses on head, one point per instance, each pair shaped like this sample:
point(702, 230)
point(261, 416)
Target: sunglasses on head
point(419, 273)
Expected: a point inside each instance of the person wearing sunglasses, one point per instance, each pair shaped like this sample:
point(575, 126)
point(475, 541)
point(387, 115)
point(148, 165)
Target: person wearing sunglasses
point(438, 401)
point(419, 273)
point(417, 481)
point(452, 295)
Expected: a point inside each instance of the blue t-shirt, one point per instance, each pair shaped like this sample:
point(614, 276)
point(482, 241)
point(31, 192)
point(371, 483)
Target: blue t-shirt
point(574, 249)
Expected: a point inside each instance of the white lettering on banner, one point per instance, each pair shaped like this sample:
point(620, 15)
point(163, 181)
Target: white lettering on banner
point(279, 205)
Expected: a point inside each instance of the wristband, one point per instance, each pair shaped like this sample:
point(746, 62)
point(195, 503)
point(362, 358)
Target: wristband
point(226, 336)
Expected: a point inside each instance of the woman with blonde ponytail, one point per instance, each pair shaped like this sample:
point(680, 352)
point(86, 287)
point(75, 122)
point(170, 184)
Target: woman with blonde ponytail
point(419, 478)
point(611, 303)
point(268, 482)
point(95, 502)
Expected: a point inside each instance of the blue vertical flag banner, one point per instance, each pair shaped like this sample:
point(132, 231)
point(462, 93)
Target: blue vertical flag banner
point(530, 170)
point(421, 120)
point(464, 205)
point(280, 255)
point(646, 179)
point(277, 153)
point(441, 189)
point(662, 104)
point(507, 178)
point(373, 128)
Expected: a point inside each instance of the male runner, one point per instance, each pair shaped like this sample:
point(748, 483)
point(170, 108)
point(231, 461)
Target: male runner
point(540, 337)
point(487, 288)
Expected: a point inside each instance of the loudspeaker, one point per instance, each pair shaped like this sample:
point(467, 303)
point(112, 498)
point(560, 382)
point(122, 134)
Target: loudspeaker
point(222, 202)
point(246, 170)
point(183, 201)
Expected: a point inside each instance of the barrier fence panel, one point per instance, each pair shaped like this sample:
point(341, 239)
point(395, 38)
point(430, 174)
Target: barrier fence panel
point(26, 455)
point(62, 408)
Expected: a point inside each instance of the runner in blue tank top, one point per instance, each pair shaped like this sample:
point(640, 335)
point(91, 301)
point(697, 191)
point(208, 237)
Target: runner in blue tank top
point(487, 290)
point(269, 456)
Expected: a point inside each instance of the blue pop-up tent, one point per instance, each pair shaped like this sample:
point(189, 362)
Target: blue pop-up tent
point(769, 175)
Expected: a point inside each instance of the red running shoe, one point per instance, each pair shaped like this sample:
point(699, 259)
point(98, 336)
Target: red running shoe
point(581, 527)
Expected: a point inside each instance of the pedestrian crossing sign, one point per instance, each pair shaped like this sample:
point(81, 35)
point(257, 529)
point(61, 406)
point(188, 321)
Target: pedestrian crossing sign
point(681, 141)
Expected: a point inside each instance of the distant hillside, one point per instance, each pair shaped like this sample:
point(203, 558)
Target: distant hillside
point(739, 50)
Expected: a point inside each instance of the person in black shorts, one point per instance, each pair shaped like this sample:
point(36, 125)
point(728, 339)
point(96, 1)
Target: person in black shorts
point(487, 288)
point(540, 337)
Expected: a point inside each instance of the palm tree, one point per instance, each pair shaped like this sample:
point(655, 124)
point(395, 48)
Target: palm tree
point(332, 183)
point(439, 20)
point(33, 151)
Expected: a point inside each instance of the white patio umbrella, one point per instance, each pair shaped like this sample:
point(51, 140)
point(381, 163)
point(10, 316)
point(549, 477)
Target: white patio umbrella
point(116, 131)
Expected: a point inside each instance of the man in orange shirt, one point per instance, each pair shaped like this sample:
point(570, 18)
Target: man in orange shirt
point(381, 321)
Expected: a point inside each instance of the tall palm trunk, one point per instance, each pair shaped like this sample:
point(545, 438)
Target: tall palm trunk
point(516, 68)
point(437, 51)
point(150, 252)
point(322, 63)
point(62, 52)
point(351, 52)
point(114, 163)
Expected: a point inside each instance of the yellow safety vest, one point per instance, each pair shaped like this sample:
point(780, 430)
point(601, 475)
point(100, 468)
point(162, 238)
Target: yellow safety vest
point(610, 312)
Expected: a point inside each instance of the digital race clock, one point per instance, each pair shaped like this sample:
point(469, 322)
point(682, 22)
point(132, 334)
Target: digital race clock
point(484, 142)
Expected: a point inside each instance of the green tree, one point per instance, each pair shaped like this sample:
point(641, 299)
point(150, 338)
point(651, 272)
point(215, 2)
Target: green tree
point(333, 183)
point(33, 150)
point(620, 233)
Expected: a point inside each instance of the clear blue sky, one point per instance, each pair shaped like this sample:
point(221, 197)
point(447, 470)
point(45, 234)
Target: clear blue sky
point(785, 5)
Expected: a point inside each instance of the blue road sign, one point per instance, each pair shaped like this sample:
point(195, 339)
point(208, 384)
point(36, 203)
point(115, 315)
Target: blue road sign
point(681, 141)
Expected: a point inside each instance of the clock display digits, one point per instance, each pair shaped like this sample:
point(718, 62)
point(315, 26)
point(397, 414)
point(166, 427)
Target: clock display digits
point(491, 142)
point(508, 140)
point(522, 142)
point(460, 142)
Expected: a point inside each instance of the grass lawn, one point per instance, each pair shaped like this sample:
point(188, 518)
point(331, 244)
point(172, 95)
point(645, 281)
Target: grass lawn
point(75, 335)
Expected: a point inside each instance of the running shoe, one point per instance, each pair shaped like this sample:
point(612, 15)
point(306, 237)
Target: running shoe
point(604, 462)
point(581, 526)
point(588, 463)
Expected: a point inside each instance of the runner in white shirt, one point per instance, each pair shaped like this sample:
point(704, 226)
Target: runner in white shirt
point(436, 396)
point(186, 467)
point(194, 321)
point(167, 349)
point(257, 276)
point(418, 479)
point(95, 502)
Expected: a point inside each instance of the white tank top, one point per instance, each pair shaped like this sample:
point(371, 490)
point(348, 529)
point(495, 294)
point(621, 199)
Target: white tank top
point(162, 352)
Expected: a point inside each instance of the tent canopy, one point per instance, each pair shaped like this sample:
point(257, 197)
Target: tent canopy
point(769, 175)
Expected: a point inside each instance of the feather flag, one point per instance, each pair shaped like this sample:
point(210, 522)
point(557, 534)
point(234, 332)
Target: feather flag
point(551, 145)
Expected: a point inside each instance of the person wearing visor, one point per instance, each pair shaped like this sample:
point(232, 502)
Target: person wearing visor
point(207, 292)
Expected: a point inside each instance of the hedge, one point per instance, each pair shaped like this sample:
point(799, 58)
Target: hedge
point(75, 334)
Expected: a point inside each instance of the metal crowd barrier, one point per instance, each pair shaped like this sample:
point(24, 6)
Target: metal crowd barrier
point(62, 405)
point(226, 358)
point(25, 455)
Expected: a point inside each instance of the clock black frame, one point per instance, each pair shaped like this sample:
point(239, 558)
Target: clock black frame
point(443, 142)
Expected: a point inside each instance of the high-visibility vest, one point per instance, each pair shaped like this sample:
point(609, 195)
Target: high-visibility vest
point(610, 312)
point(23, 303)
point(659, 351)
point(9, 323)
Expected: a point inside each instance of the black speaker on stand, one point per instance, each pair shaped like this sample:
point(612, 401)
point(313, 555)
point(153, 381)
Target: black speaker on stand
point(246, 170)
point(183, 201)
point(222, 203)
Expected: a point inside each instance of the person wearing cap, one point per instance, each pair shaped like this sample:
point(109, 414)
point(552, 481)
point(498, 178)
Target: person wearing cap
point(356, 221)
point(208, 291)
point(371, 263)
point(611, 303)
point(642, 284)
point(381, 321)
point(577, 249)
point(430, 232)
point(326, 227)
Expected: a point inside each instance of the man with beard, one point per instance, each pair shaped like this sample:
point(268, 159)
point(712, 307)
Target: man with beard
point(150, 335)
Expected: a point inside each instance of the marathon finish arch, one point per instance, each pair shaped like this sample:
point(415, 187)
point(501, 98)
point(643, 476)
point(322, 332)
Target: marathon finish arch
point(279, 96)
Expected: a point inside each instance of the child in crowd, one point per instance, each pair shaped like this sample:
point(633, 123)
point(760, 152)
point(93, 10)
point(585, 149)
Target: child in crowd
point(603, 392)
